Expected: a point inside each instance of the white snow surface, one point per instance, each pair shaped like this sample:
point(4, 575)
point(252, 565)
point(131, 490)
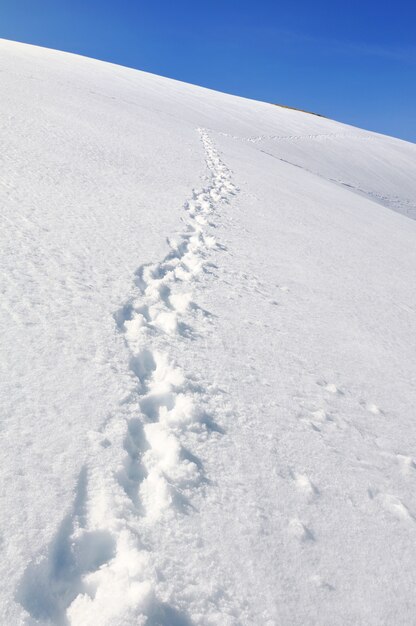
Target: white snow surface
point(208, 363)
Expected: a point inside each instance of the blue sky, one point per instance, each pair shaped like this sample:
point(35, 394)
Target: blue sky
point(353, 61)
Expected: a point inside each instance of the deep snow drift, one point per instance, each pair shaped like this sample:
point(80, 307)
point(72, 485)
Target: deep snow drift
point(208, 363)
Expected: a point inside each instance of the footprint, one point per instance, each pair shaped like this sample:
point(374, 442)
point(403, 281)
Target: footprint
point(371, 408)
point(305, 486)
point(395, 505)
point(181, 301)
point(392, 504)
point(321, 583)
point(406, 463)
point(330, 387)
point(132, 472)
point(143, 365)
point(319, 419)
point(299, 531)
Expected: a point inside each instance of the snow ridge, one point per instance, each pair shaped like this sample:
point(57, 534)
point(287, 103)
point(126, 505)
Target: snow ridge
point(99, 567)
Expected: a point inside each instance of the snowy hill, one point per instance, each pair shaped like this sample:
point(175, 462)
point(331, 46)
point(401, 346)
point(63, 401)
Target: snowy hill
point(208, 363)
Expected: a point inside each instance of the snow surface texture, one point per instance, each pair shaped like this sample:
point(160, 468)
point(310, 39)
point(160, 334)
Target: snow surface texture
point(208, 356)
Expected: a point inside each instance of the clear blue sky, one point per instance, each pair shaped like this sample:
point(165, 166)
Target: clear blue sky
point(353, 61)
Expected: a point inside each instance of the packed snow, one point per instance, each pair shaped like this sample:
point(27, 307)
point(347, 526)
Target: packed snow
point(208, 359)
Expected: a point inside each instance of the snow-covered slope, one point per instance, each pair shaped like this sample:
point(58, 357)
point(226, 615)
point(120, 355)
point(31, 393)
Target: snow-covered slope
point(208, 323)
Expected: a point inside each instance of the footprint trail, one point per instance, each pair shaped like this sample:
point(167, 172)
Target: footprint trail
point(140, 473)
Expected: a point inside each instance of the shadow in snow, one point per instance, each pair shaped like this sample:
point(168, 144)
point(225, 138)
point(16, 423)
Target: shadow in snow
point(53, 580)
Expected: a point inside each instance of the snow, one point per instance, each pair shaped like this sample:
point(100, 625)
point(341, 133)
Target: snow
point(208, 356)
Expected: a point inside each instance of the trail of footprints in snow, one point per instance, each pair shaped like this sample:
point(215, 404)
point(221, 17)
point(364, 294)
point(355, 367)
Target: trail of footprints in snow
point(97, 570)
point(320, 419)
point(323, 421)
